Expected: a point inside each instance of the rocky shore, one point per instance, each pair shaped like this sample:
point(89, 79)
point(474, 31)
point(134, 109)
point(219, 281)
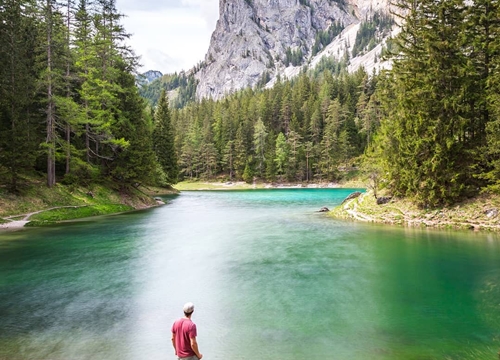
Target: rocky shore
point(480, 213)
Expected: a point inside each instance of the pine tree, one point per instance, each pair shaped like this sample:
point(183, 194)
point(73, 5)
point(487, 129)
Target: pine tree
point(295, 146)
point(228, 159)
point(490, 54)
point(308, 150)
point(240, 158)
point(259, 142)
point(270, 156)
point(189, 158)
point(163, 139)
point(72, 111)
point(427, 144)
point(49, 77)
point(83, 62)
point(282, 152)
point(18, 117)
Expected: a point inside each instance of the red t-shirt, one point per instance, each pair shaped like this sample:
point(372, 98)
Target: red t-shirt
point(184, 330)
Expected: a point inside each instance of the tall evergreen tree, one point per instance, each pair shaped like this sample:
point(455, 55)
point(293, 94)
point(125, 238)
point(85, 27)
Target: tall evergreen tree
point(133, 156)
point(163, 139)
point(18, 117)
point(430, 141)
point(259, 142)
point(281, 158)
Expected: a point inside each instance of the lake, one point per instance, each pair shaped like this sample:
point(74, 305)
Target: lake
point(271, 278)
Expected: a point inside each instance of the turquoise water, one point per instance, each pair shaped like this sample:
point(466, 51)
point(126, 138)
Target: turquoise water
point(271, 278)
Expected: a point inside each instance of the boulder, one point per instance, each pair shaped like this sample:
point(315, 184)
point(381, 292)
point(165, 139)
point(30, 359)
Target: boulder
point(352, 196)
point(324, 209)
point(383, 200)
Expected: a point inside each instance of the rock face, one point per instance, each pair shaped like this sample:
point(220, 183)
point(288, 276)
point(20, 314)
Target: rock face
point(254, 39)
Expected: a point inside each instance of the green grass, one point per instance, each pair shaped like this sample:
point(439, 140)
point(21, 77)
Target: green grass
point(200, 185)
point(62, 214)
point(240, 185)
point(34, 195)
point(16, 218)
point(469, 214)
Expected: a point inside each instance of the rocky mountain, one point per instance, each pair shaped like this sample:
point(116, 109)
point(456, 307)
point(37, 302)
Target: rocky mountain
point(148, 77)
point(255, 40)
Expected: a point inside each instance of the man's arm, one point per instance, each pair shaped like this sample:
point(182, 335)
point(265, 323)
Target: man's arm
point(173, 343)
point(194, 346)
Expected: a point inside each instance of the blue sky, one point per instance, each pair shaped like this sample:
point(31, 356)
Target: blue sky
point(169, 35)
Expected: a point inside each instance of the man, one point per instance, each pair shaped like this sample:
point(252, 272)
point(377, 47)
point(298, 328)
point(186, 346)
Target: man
point(184, 336)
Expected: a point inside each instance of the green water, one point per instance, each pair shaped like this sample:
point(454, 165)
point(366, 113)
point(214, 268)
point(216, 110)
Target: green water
point(270, 277)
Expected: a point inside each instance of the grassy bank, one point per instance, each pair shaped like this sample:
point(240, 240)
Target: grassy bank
point(241, 185)
point(480, 213)
point(41, 205)
point(209, 185)
point(76, 212)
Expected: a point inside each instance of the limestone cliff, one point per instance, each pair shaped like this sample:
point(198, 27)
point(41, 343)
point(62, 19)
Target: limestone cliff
point(256, 40)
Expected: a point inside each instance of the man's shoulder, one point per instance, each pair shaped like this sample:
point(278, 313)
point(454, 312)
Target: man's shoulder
point(182, 321)
point(177, 323)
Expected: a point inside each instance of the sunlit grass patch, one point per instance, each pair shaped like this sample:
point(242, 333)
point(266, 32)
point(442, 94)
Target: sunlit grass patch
point(71, 213)
point(226, 185)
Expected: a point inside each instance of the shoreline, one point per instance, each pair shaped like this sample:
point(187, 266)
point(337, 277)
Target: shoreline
point(80, 204)
point(21, 224)
point(479, 214)
point(241, 185)
point(19, 221)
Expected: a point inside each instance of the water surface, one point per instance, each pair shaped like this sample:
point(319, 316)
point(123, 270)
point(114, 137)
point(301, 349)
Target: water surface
point(271, 278)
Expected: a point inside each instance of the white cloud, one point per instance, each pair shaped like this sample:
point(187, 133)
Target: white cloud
point(172, 36)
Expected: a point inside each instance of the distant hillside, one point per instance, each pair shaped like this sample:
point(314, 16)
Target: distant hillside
point(148, 77)
point(180, 87)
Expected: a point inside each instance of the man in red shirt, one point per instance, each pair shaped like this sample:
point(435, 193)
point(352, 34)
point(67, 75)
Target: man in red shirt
point(184, 336)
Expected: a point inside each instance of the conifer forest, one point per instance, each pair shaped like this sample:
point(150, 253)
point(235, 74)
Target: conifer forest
point(427, 129)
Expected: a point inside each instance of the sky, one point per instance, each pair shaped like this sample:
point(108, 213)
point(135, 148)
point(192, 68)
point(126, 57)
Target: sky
point(169, 35)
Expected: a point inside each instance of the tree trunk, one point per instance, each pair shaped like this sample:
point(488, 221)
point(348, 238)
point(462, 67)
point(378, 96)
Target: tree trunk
point(68, 93)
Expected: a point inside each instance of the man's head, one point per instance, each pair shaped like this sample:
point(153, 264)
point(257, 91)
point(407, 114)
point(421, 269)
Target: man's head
point(188, 309)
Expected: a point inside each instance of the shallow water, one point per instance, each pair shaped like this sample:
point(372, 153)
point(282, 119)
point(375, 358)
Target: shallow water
point(270, 277)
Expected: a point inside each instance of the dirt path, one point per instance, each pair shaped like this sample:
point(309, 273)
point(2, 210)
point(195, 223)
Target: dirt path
point(17, 224)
